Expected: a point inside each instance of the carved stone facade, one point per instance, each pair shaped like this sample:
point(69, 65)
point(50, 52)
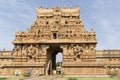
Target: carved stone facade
point(58, 30)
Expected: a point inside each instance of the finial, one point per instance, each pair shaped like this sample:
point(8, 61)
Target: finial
point(58, 6)
point(65, 7)
point(46, 7)
point(71, 7)
point(52, 7)
point(78, 6)
point(92, 30)
point(39, 7)
point(18, 30)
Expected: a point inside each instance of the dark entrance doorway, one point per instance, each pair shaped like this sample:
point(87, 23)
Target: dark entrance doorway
point(52, 51)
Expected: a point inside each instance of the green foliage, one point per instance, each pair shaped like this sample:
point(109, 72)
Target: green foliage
point(112, 74)
point(89, 78)
point(11, 78)
point(4, 78)
point(62, 74)
point(58, 64)
point(70, 78)
point(26, 74)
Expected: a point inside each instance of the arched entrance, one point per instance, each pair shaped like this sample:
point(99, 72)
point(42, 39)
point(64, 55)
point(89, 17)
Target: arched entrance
point(52, 51)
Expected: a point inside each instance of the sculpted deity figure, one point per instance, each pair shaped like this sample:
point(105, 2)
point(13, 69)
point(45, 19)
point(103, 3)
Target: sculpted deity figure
point(24, 51)
point(31, 50)
point(92, 51)
point(86, 52)
point(17, 50)
point(77, 51)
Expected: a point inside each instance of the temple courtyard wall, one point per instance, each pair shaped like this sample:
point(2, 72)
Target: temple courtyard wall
point(105, 64)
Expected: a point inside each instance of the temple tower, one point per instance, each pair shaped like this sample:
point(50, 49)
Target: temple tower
point(56, 30)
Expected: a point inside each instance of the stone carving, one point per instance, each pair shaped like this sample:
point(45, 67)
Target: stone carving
point(40, 53)
point(89, 51)
point(77, 51)
point(55, 30)
point(32, 50)
point(17, 50)
point(24, 48)
point(56, 20)
point(18, 35)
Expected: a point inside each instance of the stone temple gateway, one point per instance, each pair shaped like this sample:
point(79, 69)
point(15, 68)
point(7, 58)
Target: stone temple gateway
point(58, 30)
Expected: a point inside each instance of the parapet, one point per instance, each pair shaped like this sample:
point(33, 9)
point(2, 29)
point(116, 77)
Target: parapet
point(42, 12)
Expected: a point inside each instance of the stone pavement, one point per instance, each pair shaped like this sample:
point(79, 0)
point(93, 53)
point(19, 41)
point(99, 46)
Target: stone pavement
point(44, 77)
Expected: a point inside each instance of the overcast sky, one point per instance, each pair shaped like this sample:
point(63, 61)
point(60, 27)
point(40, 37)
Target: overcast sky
point(101, 15)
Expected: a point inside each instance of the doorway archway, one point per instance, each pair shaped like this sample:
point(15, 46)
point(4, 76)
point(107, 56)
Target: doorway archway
point(52, 51)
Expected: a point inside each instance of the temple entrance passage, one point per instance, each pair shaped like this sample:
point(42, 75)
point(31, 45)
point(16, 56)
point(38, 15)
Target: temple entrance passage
point(52, 51)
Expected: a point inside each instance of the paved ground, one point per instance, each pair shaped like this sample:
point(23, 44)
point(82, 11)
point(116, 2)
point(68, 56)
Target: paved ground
point(42, 77)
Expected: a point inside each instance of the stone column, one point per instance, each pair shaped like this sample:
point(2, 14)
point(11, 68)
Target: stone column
point(64, 48)
point(44, 48)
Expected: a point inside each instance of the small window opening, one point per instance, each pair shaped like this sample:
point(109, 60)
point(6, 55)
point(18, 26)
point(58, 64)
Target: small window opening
point(78, 56)
point(66, 22)
point(57, 10)
point(57, 22)
point(47, 22)
point(30, 57)
point(54, 35)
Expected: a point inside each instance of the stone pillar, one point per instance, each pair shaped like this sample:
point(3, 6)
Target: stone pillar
point(64, 48)
point(44, 48)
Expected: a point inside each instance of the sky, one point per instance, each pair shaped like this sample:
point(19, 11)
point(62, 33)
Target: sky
point(101, 15)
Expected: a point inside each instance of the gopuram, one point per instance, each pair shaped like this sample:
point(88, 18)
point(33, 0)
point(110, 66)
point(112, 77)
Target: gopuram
point(58, 30)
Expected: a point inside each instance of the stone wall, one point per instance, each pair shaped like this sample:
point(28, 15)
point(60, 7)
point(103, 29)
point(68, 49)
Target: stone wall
point(84, 70)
